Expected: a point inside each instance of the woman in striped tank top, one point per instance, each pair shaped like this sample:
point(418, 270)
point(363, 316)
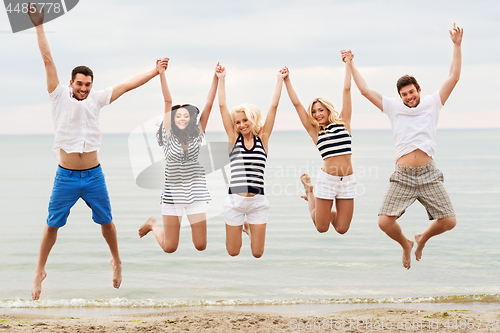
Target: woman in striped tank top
point(248, 140)
point(331, 132)
point(185, 187)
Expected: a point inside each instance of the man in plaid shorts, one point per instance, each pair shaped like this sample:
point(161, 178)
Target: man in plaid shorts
point(414, 123)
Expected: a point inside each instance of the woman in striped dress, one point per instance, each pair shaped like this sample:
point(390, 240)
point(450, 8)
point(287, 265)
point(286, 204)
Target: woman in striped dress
point(185, 187)
point(248, 140)
point(331, 132)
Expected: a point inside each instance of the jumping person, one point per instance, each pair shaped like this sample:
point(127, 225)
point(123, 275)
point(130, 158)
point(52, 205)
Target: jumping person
point(185, 185)
point(331, 133)
point(75, 112)
point(414, 122)
point(248, 140)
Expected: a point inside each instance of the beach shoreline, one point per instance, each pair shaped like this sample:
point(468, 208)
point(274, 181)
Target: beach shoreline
point(304, 309)
point(387, 318)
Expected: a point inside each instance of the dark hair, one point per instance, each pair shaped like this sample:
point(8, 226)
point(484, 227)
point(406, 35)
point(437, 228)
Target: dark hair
point(192, 130)
point(82, 70)
point(406, 80)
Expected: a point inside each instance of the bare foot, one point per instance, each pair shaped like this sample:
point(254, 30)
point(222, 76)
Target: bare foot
point(306, 181)
point(117, 273)
point(36, 290)
point(246, 228)
point(407, 254)
point(420, 247)
point(147, 226)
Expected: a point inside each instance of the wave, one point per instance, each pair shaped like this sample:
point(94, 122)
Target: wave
point(150, 303)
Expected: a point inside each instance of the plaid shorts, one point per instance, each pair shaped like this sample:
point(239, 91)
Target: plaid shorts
point(423, 183)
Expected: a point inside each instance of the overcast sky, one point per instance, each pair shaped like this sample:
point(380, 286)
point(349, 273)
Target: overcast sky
point(253, 39)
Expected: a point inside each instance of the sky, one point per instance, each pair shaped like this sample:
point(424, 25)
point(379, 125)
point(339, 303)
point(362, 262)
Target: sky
point(254, 39)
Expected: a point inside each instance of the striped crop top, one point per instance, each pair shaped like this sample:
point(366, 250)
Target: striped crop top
point(247, 167)
point(334, 140)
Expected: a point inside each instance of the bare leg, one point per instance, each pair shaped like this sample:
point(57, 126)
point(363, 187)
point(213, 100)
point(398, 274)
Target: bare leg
point(389, 225)
point(168, 236)
point(319, 209)
point(437, 227)
point(109, 233)
point(342, 221)
point(49, 238)
point(323, 214)
point(199, 230)
point(257, 234)
point(233, 239)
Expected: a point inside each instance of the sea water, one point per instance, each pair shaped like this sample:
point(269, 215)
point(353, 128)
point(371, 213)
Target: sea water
point(299, 266)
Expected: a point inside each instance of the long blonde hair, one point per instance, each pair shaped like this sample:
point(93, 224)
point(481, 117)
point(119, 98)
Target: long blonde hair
point(333, 115)
point(252, 113)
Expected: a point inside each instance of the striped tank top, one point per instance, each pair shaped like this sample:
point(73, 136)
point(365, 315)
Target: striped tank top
point(184, 176)
point(334, 140)
point(247, 167)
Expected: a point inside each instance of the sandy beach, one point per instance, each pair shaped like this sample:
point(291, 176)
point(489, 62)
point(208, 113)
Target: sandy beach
point(189, 320)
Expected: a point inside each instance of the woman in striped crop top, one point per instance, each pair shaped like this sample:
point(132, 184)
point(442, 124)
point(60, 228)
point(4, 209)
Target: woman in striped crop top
point(185, 187)
point(331, 132)
point(248, 139)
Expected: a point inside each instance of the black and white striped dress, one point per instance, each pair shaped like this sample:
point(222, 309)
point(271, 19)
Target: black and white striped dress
point(184, 176)
point(247, 167)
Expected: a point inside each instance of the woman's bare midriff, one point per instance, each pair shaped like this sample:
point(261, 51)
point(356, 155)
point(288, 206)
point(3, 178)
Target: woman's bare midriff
point(338, 165)
point(415, 158)
point(246, 194)
point(78, 161)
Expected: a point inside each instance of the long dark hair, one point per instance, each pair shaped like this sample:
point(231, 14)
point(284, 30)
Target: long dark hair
point(192, 130)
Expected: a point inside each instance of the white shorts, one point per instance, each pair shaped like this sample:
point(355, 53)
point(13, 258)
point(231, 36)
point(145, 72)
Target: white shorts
point(236, 206)
point(197, 207)
point(335, 187)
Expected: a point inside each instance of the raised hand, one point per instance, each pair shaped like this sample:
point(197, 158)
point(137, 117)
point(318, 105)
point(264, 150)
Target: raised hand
point(220, 71)
point(283, 73)
point(347, 55)
point(36, 16)
point(162, 64)
point(456, 34)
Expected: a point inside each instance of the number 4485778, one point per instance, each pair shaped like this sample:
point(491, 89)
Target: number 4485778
point(25, 7)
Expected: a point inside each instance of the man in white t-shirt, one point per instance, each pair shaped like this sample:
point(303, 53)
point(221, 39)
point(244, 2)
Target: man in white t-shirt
point(414, 121)
point(75, 112)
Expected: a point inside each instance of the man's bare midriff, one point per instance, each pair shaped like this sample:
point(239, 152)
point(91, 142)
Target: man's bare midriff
point(78, 161)
point(415, 158)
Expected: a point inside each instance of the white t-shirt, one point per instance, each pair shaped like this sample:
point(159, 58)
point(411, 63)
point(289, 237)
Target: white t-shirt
point(413, 128)
point(76, 123)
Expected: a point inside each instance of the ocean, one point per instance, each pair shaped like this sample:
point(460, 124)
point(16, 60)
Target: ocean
point(299, 266)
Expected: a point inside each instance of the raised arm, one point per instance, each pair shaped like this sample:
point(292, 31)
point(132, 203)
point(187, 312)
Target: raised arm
point(301, 111)
point(43, 44)
point(209, 103)
point(267, 128)
point(161, 67)
point(133, 83)
point(346, 113)
point(371, 95)
point(449, 84)
point(232, 134)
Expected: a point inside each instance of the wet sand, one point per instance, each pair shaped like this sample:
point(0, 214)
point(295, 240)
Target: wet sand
point(195, 320)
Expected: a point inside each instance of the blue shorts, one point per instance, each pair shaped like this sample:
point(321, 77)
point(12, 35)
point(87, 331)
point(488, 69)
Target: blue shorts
point(69, 186)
